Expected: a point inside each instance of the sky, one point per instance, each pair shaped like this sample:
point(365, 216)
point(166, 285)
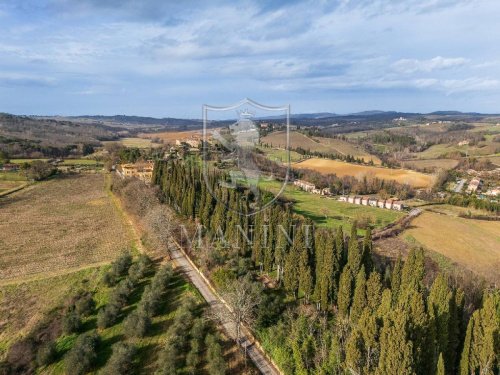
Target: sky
point(166, 58)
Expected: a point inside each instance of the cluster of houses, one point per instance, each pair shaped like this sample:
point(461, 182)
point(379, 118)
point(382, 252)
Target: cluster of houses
point(9, 167)
point(311, 188)
point(391, 204)
point(141, 170)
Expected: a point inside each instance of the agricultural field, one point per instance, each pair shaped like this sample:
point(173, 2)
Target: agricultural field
point(404, 176)
point(329, 212)
point(443, 150)
point(171, 137)
point(431, 164)
point(135, 142)
point(280, 155)
point(318, 144)
point(473, 244)
point(10, 181)
point(58, 226)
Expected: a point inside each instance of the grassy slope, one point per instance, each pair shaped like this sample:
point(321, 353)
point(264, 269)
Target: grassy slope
point(337, 213)
point(474, 244)
point(319, 144)
point(340, 168)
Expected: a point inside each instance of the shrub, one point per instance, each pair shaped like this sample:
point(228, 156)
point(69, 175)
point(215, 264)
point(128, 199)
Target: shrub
point(121, 361)
point(121, 293)
point(118, 268)
point(108, 315)
point(167, 360)
point(216, 364)
point(80, 358)
point(46, 354)
point(137, 323)
point(85, 305)
point(71, 322)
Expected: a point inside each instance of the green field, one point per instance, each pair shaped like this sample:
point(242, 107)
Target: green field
point(280, 155)
point(328, 212)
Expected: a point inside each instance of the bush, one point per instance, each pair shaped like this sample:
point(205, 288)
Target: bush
point(82, 356)
point(121, 293)
point(108, 315)
point(46, 354)
point(85, 305)
point(137, 323)
point(167, 360)
point(71, 322)
point(216, 364)
point(121, 361)
point(118, 268)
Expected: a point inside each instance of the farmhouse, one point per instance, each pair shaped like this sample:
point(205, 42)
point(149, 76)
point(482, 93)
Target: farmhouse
point(372, 202)
point(351, 199)
point(474, 185)
point(357, 200)
point(463, 143)
point(142, 170)
point(343, 198)
point(8, 167)
point(381, 204)
point(364, 201)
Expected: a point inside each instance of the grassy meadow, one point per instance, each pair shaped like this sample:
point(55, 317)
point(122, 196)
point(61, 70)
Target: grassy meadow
point(329, 212)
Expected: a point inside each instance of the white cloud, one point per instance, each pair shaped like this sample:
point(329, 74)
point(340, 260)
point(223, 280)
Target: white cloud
point(408, 66)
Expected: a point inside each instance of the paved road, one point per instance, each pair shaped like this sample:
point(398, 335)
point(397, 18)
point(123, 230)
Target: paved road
point(255, 354)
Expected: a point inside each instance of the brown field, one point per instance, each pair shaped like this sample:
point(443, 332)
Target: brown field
point(474, 244)
point(431, 164)
point(415, 179)
point(59, 226)
point(318, 144)
point(170, 137)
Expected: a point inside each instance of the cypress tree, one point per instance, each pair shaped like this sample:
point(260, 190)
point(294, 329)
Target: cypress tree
point(345, 291)
point(395, 348)
point(439, 301)
point(359, 299)
point(291, 271)
point(355, 353)
point(354, 257)
point(396, 279)
point(367, 251)
point(465, 360)
point(373, 291)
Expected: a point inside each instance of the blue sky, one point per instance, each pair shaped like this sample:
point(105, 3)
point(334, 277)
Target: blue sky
point(167, 58)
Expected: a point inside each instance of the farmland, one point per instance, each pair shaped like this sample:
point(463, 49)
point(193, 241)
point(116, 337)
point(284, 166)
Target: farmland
point(318, 144)
point(325, 166)
point(431, 164)
point(330, 212)
point(474, 244)
point(10, 181)
point(58, 226)
point(171, 137)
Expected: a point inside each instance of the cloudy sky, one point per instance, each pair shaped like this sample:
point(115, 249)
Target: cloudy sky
point(167, 58)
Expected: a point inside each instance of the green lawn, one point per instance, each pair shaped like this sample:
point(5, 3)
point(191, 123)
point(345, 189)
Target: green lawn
point(328, 212)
